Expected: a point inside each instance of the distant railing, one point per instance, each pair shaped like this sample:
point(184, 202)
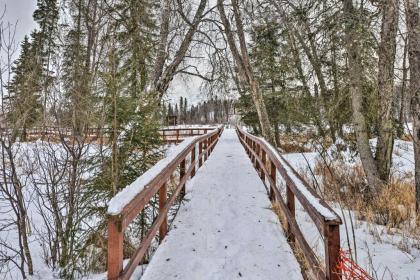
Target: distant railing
point(127, 204)
point(268, 162)
point(169, 135)
point(178, 134)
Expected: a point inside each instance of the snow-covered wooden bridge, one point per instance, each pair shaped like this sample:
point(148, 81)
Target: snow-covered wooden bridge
point(226, 228)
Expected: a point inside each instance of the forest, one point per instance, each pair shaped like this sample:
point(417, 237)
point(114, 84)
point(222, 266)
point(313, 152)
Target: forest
point(338, 80)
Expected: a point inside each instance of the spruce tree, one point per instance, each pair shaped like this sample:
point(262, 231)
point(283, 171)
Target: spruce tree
point(25, 91)
point(45, 43)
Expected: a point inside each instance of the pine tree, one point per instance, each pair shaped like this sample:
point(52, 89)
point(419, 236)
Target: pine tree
point(25, 91)
point(181, 109)
point(45, 43)
point(185, 110)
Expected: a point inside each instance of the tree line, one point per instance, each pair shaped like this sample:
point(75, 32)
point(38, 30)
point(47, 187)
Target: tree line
point(213, 111)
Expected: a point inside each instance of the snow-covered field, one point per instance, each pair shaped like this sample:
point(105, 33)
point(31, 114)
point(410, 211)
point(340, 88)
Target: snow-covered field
point(384, 253)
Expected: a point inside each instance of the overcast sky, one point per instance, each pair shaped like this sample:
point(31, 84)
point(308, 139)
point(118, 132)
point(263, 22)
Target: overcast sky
point(20, 12)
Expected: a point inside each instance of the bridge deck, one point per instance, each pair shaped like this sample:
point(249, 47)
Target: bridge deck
point(226, 229)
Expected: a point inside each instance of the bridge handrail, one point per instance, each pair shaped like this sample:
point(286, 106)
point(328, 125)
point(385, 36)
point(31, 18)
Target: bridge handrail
point(268, 161)
point(178, 134)
point(168, 134)
point(119, 218)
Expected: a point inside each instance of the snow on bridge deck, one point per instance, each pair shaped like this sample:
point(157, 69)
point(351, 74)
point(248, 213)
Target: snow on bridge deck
point(226, 228)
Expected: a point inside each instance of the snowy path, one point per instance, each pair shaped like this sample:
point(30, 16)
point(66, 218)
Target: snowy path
point(226, 229)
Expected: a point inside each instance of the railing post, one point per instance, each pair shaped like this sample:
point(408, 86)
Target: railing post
point(181, 176)
point(205, 142)
point(193, 161)
point(332, 251)
point(200, 151)
point(177, 136)
point(291, 206)
point(163, 229)
point(115, 247)
point(264, 161)
point(208, 148)
point(257, 164)
point(273, 178)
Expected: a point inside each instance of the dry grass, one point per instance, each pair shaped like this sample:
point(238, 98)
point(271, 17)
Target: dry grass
point(294, 142)
point(392, 206)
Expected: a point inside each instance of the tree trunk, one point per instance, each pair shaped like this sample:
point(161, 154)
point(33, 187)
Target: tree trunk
point(243, 64)
point(386, 54)
point(355, 76)
point(413, 24)
point(401, 117)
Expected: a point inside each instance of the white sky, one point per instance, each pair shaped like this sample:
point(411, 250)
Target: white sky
point(19, 11)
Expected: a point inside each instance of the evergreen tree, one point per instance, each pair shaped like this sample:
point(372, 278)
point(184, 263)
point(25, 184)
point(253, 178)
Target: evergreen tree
point(45, 42)
point(25, 91)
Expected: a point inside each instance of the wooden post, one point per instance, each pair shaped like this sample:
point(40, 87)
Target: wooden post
point(257, 164)
point(177, 136)
point(200, 150)
point(193, 161)
point(291, 206)
point(332, 251)
point(163, 229)
point(205, 149)
point(208, 147)
point(273, 177)
point(253, 148)
point(115, 247)
point(264, 161)
point(181, 176)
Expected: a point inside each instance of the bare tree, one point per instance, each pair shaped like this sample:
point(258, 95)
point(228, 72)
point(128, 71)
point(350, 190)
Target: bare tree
point(413, 26)
point(386, 54)
point(243, 64)
point(12, 183)
point(163, 75)
point(355, 71)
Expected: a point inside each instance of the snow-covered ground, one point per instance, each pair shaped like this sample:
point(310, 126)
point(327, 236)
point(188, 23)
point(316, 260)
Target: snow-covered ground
point(226, 229)
point(28, 157)
point(384, 253)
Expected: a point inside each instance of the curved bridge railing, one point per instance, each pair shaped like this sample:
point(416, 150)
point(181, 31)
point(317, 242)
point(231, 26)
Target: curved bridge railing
point(268, 162)
point(129, 203)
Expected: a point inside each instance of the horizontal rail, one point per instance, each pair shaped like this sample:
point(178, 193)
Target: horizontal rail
point(122, 211)
point(177, 135)
point(169, 135)
point(268, 162)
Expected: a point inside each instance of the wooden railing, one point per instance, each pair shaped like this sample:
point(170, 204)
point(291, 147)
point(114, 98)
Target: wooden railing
point(120, 217)
point(178, 134)
point(268, 162)
point(171, 135)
